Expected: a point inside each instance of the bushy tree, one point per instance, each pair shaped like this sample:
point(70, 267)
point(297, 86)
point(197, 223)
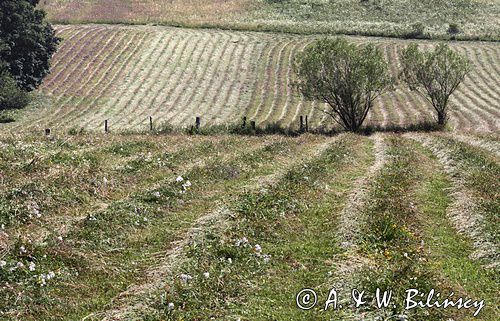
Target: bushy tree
point(27, 42)
point(434, 74)
point(346, 77)
point(11, 96)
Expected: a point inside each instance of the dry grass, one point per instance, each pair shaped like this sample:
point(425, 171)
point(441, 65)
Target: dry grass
point(474, 19)
point(126, 74)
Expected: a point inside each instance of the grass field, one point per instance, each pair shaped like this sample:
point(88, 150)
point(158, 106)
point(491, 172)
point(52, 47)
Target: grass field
point(474, 18)
point(226, 223)
point(126, 74)
point(97, 227)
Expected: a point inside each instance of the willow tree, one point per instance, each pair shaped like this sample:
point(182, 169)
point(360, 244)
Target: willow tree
point(346, 77)
point(434, 74)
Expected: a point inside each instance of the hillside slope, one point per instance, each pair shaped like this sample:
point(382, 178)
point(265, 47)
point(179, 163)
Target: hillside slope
point(474, 18)
point(126, 74)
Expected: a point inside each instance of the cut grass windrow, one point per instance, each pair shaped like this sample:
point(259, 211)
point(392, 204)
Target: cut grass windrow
point(63, 207)
point(109, 247)
point(475, 176)
point(209, 71)
point(139, 301)
point(180, 113)
point(402, 250)
point(268, 232)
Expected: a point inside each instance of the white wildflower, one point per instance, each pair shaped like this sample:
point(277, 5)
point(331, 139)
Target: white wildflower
point(266, 258)
point(35, 210)
point(42, 280)
point(186, 184)
point(257, 248)
point(32, 266)
point(50, 275)
point(22, 249)
point(157, 194)
point(242, 241)
point(170, 306)
point(2, 263)
point(230, 260)
point(206, 275)
point(19, 265)
point(179, 179)
point(60, 238)
point(185, 278)
point(405, 255)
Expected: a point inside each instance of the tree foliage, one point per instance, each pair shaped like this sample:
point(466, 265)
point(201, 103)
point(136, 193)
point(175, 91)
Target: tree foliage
point(27, 42)
point(344, 76)
point(434, 74)
point(11, 96)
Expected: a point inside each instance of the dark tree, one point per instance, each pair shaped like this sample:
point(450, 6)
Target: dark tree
point(27, 42)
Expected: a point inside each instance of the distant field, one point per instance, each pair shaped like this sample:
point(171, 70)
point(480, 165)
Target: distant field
point(126, 74)
point(474, 18)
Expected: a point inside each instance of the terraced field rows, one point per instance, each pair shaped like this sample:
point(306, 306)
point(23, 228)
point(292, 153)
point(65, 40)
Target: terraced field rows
point(126, 74)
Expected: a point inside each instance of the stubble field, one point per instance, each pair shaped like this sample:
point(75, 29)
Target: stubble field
point(126, 74)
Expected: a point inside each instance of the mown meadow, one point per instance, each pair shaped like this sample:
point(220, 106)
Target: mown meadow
point(187, 227)
point(161, 218)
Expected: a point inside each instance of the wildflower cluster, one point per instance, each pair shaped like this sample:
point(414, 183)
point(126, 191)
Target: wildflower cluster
point(256, 249)
point(185, 184)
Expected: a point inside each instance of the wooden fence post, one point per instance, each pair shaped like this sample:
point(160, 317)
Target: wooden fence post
point(106, 128)
point(47, 131)
point(151, 123)
point(301, 123)
point(252, 123)
point(198, 122)
point(307, 125)
point(244, 122)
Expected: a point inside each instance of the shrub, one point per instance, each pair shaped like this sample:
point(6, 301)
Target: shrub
point(453, 29)
point(11, 96)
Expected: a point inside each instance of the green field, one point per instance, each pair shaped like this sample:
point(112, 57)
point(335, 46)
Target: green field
point(106, 215)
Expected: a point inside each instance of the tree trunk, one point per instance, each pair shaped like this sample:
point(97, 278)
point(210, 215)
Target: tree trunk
point(441, 118)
